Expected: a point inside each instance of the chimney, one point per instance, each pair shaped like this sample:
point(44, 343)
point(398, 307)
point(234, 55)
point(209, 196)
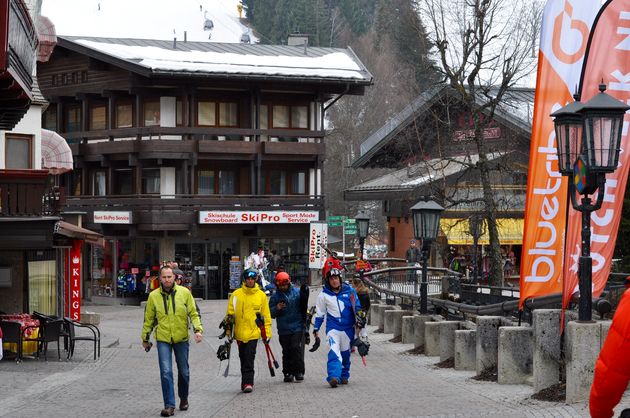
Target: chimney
point(175, 43)
point(185, 36)
point(297, 39)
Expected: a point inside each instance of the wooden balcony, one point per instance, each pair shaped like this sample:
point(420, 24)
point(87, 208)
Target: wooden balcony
point(179, 212)
point(26, 193)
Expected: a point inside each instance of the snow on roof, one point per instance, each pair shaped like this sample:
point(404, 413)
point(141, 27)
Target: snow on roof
point(148, 19)
point(198, 57)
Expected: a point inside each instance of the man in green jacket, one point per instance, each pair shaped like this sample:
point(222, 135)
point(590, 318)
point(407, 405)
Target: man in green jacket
point(168, 309)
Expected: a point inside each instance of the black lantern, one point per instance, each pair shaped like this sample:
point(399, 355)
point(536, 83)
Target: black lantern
point(569, 127)
point(426, 219)
point(363, 226)
point(426, 223)
point(603, 119)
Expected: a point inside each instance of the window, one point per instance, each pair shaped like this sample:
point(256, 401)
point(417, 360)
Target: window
point(152, 113)
point(277, 182)
point(50, 118)
point(205, 182)
point(392, 239)
point(73, 119)
point(99, 183)
point(179, 111)
point(18, 151)
point(98, 117)
point(124, 115)
point(293, 117)
point(217, 114)
point(150, 180)
point(298, 182)
point(206, 114)
point(124, 181)
point(227, 182)
point(280, 117)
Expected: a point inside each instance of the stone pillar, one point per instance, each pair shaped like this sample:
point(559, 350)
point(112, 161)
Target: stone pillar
point(432, 338)
point(604, 332)
point(408, 329)
point(393, 321)
point(515, 355)
point(546, 361)
point(465, 350)
point(380, 316)
point(447, 339)
point(582, 350)
point(487, 342)
point(418, 329)
point(370, 318)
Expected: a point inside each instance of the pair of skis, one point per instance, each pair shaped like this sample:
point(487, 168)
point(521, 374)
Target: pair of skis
point(263, 334)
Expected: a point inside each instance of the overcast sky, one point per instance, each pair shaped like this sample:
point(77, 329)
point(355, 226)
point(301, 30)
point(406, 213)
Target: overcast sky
point(147, 19)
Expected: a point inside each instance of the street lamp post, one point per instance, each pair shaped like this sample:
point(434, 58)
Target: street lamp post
point(363, 226)
point(475, 224)
point(588, 142)
point(426, 223)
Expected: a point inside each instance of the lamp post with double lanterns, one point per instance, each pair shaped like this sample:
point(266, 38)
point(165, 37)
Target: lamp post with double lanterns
point(588, 140)
point(475, 225)
point(426, 223)
point(363, 226)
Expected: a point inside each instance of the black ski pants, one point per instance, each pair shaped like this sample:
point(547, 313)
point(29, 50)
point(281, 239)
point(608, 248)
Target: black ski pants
point(247, 355)
point(292, 353)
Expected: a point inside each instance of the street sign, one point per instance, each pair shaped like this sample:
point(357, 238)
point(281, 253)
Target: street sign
point(334, 223)
point(334, 218)
point(350, 231)
point(351, 221)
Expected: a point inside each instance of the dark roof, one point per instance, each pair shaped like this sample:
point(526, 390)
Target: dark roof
point(515, 111)
point(154, 57)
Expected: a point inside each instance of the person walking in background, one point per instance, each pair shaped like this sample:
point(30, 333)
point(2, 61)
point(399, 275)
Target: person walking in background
point(612, 369)
point(168, 309)
point(245, 302)
point(339, 304)
point(285, 307)
point(414, 258)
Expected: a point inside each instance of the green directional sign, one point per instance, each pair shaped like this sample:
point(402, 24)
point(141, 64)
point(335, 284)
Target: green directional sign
point(350, 231)
point(351, 222)
point(334, 223)
point(334, 218)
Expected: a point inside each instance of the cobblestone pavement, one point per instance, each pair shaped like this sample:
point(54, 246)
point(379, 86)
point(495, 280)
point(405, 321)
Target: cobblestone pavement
point(125, 382)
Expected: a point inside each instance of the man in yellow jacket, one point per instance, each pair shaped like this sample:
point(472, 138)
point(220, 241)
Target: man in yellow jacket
point(243, 305)
point(168, 309)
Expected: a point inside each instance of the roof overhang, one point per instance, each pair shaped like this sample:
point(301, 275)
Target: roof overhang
point(76, 232)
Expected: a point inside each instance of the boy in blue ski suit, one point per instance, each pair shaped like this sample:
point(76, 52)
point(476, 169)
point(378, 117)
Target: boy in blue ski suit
point(340, 304)
point(286, 308)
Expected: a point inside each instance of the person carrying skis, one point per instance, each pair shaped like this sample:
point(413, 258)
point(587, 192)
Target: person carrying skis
point(286, 308)
point(340, 305)
point(245, 302)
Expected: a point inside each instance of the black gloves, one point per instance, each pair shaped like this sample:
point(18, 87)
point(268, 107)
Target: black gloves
point(227, 325)
point(260, 320)
point(363, 347)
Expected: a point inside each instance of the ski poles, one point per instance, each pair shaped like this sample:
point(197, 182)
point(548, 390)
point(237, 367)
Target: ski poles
point(263, 333)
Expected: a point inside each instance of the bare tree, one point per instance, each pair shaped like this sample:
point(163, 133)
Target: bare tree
point(484, 48)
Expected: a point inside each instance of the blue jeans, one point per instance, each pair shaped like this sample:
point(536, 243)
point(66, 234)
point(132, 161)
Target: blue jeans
point(166, 371)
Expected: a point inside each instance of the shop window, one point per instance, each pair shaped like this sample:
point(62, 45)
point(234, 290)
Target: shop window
point(205, 182)
point(18, 151)
point(124, 115)
point(42, 286)
point(298, 182)
point(152, 113)
point(73, 119)
point(50, 118)
point(101, 269)
point(151, 180)
point(99, 183)
point(123, 183)
point(227, 182)
point(98, 117)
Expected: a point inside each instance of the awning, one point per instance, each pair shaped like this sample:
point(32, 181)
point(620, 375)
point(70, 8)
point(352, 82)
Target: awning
point(73, 231)
point(458, 233)
point(56, 153)
point(47, 37)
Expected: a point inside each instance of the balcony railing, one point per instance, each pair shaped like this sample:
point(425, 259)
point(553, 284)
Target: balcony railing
point(27, 193)
point(193, 203)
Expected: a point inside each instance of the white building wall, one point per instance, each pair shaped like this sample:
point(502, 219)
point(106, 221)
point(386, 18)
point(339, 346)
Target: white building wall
point(30, 124)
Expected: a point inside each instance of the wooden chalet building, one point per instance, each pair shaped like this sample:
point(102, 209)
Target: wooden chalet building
point(197, 152)
point(433, 158)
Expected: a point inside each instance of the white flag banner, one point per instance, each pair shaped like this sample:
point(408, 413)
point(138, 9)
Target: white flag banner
point(317, 241)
